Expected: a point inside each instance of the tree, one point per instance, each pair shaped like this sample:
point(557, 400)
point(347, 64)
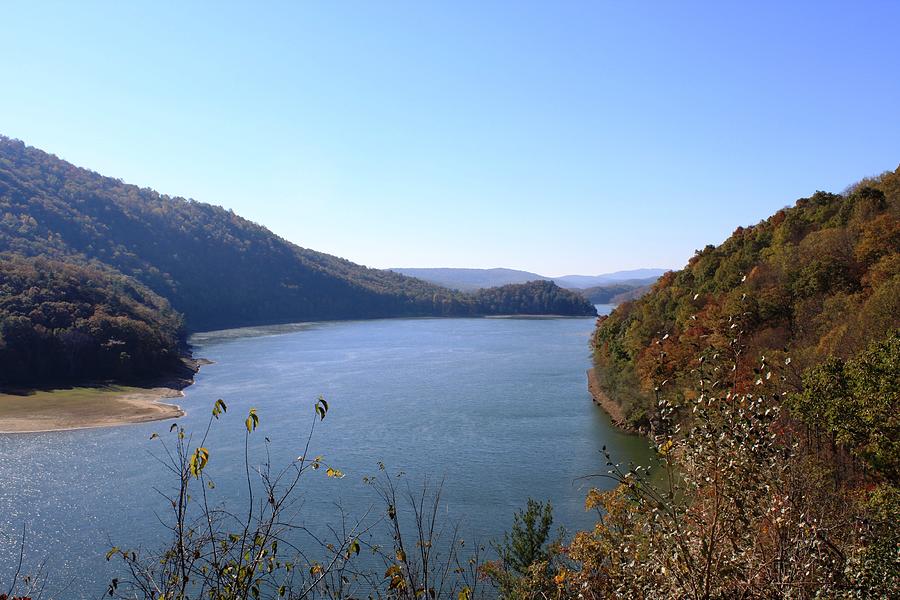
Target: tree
point(525, 553)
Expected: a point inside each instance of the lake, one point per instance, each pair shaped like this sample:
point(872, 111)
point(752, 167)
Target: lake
point(496, 408)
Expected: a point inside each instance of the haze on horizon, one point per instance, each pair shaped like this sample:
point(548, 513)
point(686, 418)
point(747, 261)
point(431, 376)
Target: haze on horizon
point(585, 138)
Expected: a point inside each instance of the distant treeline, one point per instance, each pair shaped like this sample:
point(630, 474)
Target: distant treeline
point(215, 268)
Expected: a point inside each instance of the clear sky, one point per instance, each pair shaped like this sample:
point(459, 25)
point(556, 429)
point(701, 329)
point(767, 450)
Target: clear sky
point(557, 137)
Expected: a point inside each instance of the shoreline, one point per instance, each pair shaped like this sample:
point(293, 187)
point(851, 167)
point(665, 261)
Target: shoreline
point(615, 412)
point(103, 404)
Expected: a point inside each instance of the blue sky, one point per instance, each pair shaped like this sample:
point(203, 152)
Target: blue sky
point(557, 137)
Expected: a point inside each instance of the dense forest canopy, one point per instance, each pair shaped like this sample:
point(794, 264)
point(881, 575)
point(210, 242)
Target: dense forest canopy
point(534, 297)
point(815, 281)
point(104, 252)
point(62, 322)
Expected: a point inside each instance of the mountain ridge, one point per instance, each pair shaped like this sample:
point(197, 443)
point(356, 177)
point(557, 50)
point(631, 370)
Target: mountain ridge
point(172, 245)
point(469, 279)
point(214, 268)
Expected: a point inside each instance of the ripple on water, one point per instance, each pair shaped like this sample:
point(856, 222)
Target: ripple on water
point(497, 408)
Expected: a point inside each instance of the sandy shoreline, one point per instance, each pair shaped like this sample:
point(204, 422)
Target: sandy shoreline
point(98, 405)
point(64, 410)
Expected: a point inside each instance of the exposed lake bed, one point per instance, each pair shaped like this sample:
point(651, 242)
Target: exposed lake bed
point(63, 409)
point(101, 404)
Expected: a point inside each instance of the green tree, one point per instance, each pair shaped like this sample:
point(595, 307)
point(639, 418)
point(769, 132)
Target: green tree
point(526, 552)
point(858, 403)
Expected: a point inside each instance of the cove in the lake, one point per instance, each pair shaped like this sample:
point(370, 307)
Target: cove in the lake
point(496, 408)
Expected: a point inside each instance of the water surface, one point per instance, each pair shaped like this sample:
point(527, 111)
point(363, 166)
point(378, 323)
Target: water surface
point(496, 408)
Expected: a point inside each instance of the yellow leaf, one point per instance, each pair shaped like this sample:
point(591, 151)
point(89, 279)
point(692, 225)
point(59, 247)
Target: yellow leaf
point(252, 420)
point(594, 499)
point(198, 461)
point(665, 447)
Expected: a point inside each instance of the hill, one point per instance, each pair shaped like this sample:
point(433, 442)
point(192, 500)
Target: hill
point(62, 322)
point(473, 279)
point(817, 281)
point(617, 293)
point(632, 294)
point(218, 269)
point(103, 279)
point(581, 282)
point(767, 372)
point(470, 279)
point(533, 298)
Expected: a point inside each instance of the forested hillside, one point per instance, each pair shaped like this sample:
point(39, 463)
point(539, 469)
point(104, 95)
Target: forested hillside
point(534, 297)
point(62, 322)
point(616, 293)
point(467, 280)
point(91, 265)
point(817, 280)
point(474, 279)
point(767, 373)
point(217, 268)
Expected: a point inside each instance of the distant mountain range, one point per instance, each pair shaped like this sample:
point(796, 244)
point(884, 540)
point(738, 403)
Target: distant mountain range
point(473, 279)
point(617, 293)
point(636, 276)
